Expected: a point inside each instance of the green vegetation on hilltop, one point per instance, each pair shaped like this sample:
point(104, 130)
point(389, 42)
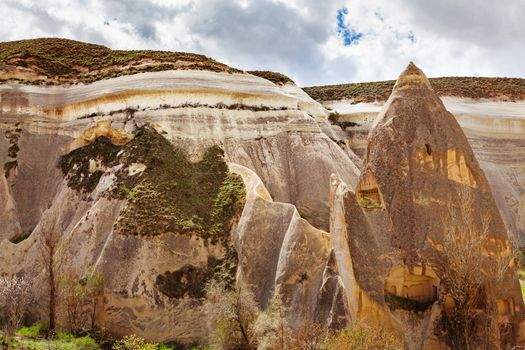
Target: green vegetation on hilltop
point(69, 61)
point(274, 77)
point(472, 87)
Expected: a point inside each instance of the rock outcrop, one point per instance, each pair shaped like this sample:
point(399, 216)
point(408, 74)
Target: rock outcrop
point(420, 220)
point(163, 180)
point(127, 171)
point(496, 132)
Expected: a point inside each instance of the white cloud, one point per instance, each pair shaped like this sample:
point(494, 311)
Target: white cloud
point(295, 37)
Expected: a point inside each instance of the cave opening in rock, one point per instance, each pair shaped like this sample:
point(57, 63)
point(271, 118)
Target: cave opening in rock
point(412, 290)
point(368, 193)
point(428, 148)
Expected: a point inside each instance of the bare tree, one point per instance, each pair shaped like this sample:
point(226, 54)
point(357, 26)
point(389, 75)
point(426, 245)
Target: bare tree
point(95, 290)
point(80, 296)
point(469, 274)
point(15, 297)
point(73, 296)
point(234, 312)
point(311, 336)
point(271, 327)
point(49, 239)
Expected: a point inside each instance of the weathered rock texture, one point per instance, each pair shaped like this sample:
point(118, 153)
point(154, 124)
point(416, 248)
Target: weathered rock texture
point(495, 130)
point(118, 169)
point(422, 203)
point(84, 168)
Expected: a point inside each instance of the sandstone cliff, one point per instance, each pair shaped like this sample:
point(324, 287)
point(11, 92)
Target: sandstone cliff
point(493, 123)
point(129, 170)
point(421, 219)
point(162, 180)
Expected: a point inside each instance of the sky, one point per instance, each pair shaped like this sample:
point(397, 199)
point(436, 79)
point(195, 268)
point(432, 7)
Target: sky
point(315, 42)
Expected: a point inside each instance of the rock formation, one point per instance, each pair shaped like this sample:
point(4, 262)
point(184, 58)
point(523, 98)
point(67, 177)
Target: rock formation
point(161, 180)
point(129, 171)
point(421, 216)
point(494, 127)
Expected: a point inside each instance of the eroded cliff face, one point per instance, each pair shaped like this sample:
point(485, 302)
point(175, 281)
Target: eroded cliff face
point(495, 129)
point(132, 172)
point(422, 215)
point(163, 180)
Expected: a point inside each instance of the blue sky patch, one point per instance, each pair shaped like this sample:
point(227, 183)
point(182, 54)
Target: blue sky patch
point(347, 34)
point(411, 37)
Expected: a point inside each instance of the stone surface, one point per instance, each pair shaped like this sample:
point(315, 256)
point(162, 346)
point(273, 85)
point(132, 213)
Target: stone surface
point(306, 230)
point(421, 188)
point(495, 131)
point(270, 136)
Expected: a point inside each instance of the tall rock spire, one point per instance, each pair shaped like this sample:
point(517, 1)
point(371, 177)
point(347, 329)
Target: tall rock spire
point(423, 222)
point(412, 78)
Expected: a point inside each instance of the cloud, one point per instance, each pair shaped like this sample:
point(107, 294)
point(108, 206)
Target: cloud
point(314, 42)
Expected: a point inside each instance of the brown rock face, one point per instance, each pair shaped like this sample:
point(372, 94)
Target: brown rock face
point(131, 172)
point(420, 159)
point(143, 177)
point(423, 224)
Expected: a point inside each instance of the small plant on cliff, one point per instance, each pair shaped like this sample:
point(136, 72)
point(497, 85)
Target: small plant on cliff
point(368, 203)
point(334, 117)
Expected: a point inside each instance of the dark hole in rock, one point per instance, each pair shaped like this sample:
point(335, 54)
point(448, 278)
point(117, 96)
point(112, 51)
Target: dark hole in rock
point(429, 149)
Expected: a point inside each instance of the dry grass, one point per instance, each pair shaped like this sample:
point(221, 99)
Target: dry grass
point(67, 61)
point(505, 88)
point(274, 77)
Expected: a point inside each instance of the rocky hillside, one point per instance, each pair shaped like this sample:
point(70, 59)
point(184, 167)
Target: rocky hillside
point(161, 180)
point(164, 181)
point(491, 112)
point(55, 61)
point(505, 89)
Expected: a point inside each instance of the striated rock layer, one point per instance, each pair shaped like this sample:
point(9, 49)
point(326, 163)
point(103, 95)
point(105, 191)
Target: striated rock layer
point(163, 180)
point(79, 162)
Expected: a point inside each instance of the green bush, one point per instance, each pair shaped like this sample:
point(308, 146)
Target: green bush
point(85, 343)
point(134, 342)
point(33, 331)
point(65, 336)
point(368, 203)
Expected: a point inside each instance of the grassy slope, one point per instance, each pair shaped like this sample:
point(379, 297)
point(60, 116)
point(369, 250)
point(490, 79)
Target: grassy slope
point(67, 61)
point(274, 77)
point(171, 195)
point(508, 88)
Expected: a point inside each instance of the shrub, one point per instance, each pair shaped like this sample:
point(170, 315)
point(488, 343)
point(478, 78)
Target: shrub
point(85, 343)
point(368, 203)
point(359, 338)
point(134, 342)
point(33, 331)
point(15, 297)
